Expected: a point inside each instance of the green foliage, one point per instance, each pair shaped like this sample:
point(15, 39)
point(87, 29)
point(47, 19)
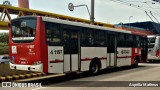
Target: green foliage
point(4, 49)
point(4, 39)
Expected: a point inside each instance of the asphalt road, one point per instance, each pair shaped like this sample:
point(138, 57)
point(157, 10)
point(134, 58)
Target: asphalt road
point(123, 78)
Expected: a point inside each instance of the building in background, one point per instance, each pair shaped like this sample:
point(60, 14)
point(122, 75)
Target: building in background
point(135, 29)
point(147, 26)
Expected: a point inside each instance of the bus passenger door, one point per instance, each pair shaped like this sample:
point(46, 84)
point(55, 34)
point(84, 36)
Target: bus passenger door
point(70, 50)
point(111, 50)
point(144, 50)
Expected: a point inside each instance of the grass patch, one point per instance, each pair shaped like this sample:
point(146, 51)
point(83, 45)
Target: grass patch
point(4, 48)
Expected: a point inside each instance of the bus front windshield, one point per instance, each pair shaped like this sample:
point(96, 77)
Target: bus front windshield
point(23, 30)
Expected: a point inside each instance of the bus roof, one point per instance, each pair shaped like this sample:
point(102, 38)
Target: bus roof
point(49, 19)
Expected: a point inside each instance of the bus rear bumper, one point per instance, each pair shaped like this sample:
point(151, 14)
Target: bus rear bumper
point(37, 68)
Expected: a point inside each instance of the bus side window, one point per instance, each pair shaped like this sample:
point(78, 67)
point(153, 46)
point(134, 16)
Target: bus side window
point(66, 42)
point(138, 41)
point(52, 34)
point(129, 40)
point(87, 38)
point(74, 42)
point(121, 40)
point(99, 38)
point(134, 42)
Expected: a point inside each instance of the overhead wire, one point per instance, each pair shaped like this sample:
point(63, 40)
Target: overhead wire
point(154, 17)
point(148, 16)
point(129, 4)
point(140, 7)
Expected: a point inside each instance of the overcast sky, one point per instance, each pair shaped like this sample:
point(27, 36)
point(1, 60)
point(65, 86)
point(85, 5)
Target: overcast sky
point(107, 11)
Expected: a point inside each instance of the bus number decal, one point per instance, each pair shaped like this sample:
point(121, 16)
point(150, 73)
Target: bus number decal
point(125, 51)
point(56, 52)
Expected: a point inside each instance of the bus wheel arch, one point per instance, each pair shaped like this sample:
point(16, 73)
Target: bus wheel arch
point(95, 66)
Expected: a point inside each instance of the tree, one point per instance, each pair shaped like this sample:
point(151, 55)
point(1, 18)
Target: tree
point(4, 38)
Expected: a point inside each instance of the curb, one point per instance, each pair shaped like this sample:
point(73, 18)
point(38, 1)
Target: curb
point(20, 76)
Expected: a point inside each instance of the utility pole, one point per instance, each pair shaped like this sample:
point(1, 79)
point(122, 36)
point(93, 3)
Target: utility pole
point(71, 8)
point(92, 12)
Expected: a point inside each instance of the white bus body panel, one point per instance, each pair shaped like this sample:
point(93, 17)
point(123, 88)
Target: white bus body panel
point(129, 55)
point(152, 51)
point(90, 53)
point(113, 58)
point(85, 65)
point(74, 62)
point(150, 57)
point(124, 56)
point(56, 67)
point(70, 62)
point(107, 63)
point(67, 63)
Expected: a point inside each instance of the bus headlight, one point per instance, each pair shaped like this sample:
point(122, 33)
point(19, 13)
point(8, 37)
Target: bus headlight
point(12, 61)
point(36, 62)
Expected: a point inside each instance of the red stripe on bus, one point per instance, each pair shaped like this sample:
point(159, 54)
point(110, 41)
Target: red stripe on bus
point(103, 58)
point(88, 59)
point(124, 56)
point(56, 61)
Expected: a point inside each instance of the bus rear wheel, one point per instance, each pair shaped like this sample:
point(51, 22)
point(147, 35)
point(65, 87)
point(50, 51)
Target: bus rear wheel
point(136, 61)
point(94, 68)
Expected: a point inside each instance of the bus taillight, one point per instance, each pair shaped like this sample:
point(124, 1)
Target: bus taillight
point(157, 53)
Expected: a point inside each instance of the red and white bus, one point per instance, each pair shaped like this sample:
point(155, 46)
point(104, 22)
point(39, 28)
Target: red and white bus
point(153, 48)
point(52, 45)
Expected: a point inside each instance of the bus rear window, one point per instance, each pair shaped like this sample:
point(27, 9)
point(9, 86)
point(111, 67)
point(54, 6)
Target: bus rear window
point(152, 40)
point(23, 30)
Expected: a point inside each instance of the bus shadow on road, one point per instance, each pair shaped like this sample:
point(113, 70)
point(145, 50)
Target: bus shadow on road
point(154, 62)
point(120, 69)
point(74, 76)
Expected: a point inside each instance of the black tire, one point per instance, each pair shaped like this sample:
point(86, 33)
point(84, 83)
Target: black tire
point(136, 61)
point(94, 68)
